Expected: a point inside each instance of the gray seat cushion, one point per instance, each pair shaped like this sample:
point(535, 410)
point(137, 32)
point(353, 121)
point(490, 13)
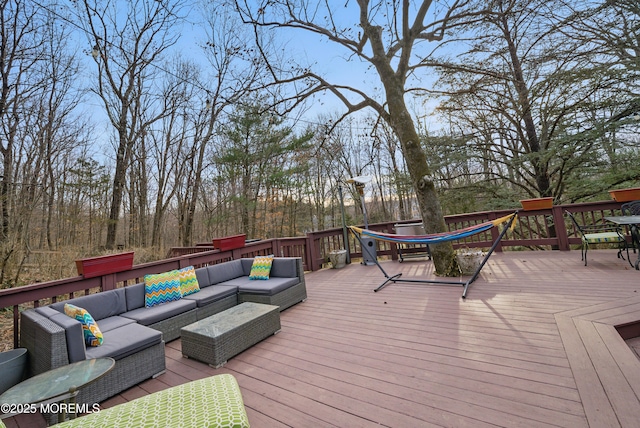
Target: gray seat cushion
point(212, 294)
point(112, 323)
point(99, 305)
point(124, 341)
point(267, 287)
point(148, 316)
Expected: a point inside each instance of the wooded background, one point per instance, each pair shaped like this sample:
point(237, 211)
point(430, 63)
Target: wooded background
point(115, 135)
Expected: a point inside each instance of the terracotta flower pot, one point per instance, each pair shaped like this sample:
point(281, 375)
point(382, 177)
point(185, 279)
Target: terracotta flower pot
point(625, 195)
point(536, 204)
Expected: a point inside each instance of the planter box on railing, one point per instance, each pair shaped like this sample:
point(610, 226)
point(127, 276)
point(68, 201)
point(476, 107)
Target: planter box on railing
point(536, 204)
point(103, 265)
point(625, 195)
point(229, 242)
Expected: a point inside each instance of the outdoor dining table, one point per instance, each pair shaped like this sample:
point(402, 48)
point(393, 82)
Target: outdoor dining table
point(633, 221)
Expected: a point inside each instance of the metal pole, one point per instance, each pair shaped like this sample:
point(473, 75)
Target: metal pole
point(360, 188)
point(345, 233)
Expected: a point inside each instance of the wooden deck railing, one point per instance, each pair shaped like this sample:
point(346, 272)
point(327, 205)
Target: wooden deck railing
point(543, 229)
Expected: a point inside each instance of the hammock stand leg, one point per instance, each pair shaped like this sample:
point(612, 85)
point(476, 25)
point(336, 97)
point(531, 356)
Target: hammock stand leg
point(484, 261)
point(392, 278)
point(465, 285)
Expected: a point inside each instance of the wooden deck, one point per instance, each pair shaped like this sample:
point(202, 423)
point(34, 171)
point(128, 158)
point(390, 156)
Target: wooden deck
point(534, 344)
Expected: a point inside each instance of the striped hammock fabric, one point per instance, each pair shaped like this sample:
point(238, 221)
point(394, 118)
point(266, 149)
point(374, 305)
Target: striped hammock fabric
point(434, 238)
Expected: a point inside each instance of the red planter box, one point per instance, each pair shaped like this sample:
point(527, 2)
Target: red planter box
point(229, 242)
point(103, 265)
point(625, 195)
point(536, 204)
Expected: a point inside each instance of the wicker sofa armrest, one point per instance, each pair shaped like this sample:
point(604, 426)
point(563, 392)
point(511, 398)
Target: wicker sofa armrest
point(45, 341)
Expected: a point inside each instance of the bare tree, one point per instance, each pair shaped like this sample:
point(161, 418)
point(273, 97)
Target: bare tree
point(530, 102)
point(389, 37)
point(232, 67)
point(127, 48)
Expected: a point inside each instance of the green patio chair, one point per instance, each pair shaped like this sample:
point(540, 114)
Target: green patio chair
point(599, 234)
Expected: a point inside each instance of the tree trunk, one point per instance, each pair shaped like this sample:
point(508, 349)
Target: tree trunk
point(119, 179)
point(400, 120)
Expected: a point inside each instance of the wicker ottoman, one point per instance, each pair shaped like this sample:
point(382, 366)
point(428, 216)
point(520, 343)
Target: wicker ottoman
point(215, 339)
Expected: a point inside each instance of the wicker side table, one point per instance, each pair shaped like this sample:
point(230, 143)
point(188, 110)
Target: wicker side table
point(217, 338)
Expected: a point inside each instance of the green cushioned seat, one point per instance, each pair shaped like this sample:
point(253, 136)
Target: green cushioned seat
point(602, 237)
point(215, 401)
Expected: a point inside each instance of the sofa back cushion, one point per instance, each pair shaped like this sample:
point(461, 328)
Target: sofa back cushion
point(135, 296)
point(76, 349)
point(225, 271)
point(282, 267)
point(285, 267)
point(99, 305)
point(202, 274)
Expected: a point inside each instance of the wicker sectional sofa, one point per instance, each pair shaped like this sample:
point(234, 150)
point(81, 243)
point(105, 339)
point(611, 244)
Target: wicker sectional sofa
point(135, 335)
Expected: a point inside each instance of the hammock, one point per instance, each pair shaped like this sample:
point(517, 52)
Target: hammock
point(435, 238)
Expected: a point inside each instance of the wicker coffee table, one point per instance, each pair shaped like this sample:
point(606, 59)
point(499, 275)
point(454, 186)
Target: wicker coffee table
point(215, 339)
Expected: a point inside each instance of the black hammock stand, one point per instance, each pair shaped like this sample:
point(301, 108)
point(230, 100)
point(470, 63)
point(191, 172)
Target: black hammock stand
point(434, 239)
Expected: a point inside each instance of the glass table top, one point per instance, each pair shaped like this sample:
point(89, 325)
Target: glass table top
point(57, 382)
point(624, 219)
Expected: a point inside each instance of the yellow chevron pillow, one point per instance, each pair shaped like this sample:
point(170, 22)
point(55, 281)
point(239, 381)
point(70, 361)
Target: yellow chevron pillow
point(261, 267)
point(188, 281)
point(91, 332)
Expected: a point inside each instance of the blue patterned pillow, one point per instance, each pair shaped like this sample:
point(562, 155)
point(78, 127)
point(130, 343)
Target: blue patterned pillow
point(90, 330)
point(161, 288)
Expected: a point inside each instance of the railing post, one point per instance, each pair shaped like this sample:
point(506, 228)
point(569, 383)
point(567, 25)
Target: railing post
point(495, 233)
point(313, 252)
point(108, 282)
point(561, 229)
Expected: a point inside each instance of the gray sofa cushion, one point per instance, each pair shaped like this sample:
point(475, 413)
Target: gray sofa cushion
point(212, 294)
point(112, 323)
point(267, 287)
point(225, 271)
point(202, 275)
point(148, 316)
point(135, 296)
point(47, 311)
point(74, 335)
point(282, 267)
point(99, 305)
point(124, 341)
